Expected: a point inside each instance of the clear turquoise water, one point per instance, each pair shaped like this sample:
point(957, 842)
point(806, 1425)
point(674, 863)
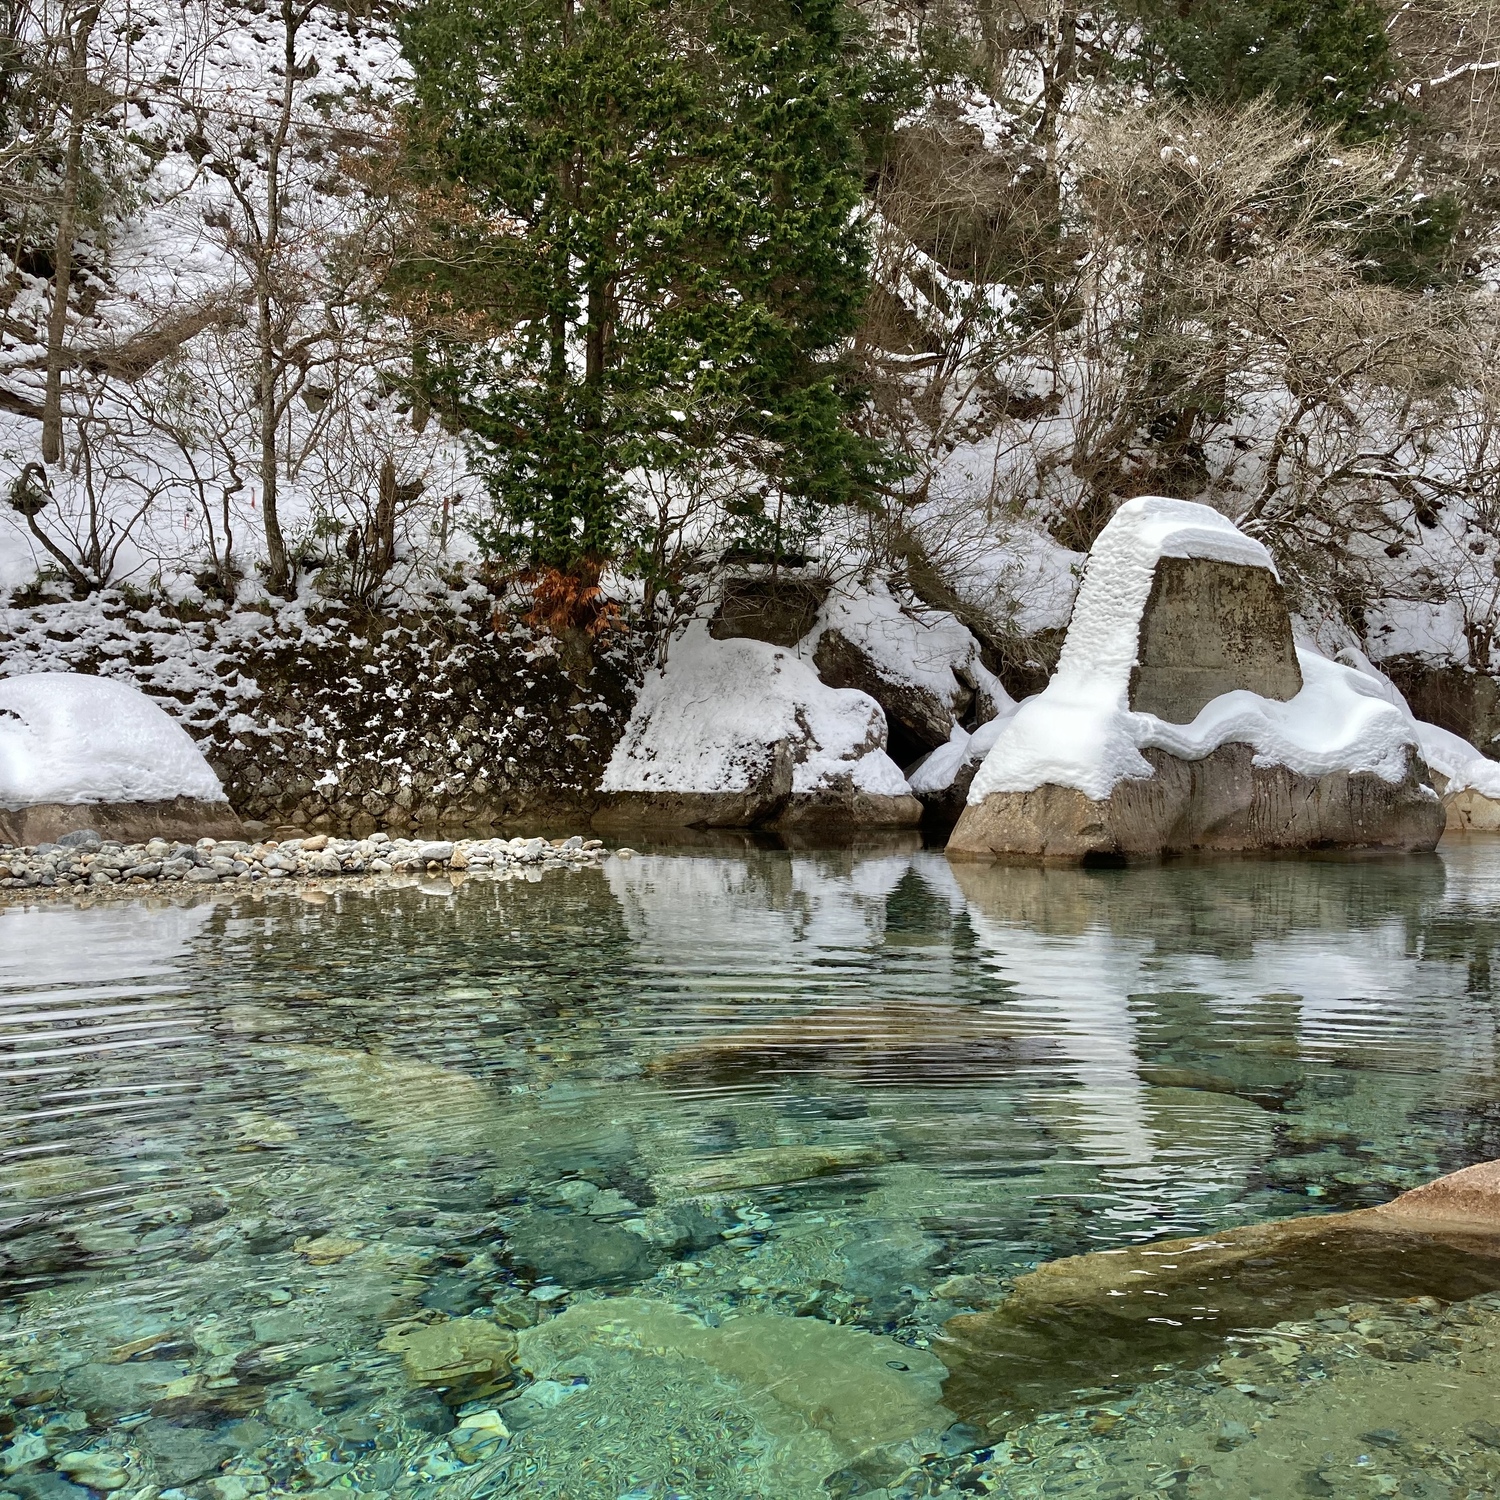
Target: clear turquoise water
point(752, 1126)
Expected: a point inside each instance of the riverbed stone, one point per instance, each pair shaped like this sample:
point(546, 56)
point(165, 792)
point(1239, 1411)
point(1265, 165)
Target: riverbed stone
point(899, 1041)
point(98, 1469)
point(764, 1167)
point(580, 1251)
point(181, 1453)
point(45, 1484)
point(454, 1352)
point(106, 1391)
point(855, 1392)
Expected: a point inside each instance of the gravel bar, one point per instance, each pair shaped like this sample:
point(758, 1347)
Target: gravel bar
point(83, 860)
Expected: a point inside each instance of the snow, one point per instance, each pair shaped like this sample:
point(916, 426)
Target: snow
point(704, 722)
point(1449, 754)
point(1453, 757)
point(928, 649)
point(1431, 631)
point(1081, 732)
point(937, 771)
point(66, 737)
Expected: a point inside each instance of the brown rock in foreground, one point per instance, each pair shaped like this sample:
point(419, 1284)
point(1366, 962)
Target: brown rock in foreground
point(1108, 1319)
point(1222, 803)
point(185, 818)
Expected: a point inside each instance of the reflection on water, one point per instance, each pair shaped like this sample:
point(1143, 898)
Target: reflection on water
point(666, 1179)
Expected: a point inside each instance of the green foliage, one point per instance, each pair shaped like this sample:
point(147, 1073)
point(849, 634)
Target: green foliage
point(1414, 248)
point(646, 248)
point(1327, 57)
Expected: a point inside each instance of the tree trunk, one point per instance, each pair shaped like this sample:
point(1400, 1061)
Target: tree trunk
point(383, 552)
point(278, 570)
point(62, 261)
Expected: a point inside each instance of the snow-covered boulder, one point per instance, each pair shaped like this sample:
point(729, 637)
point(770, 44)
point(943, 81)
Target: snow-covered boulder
point(88, 752)
point(1287, 752)
point(921, 665)
point(738, 734)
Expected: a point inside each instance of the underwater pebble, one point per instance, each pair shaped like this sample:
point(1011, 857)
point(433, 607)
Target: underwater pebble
point(99, 1471)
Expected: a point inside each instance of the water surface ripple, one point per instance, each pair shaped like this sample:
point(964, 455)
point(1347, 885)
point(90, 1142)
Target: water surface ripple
point(691, 1159)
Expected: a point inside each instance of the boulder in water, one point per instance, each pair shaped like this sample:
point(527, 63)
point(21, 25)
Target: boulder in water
point(1182, 717)
point(1110, 1318)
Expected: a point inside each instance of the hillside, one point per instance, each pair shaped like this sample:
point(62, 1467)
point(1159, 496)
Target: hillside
point(250, 375)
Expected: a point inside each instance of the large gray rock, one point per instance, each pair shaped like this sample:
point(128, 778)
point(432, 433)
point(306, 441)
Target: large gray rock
point(1224, 803)
point(759, 804)
point(1208, 628)
point(919, 719)
point(737, 733)
point(922, 666)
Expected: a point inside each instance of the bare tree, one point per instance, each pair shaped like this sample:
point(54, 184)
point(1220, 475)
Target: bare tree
point(77, 31)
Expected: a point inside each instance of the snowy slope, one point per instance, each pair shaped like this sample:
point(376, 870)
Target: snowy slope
point(160, 442)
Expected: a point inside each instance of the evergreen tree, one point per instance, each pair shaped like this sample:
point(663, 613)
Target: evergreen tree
point(1329, 58)
point(650, 237)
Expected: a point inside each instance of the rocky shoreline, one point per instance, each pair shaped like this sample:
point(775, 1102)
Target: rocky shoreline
point(84, 861)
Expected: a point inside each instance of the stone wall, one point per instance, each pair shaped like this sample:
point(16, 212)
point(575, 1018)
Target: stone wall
point(444, 719)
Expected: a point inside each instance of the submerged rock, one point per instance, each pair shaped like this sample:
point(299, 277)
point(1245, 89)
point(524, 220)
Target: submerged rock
point(580, 1251)
point(1111, 1317)
point(765, 1167)
point(182, 1454)
point(106, 1391)
point(452, 1353)
point(837, 1394)
point(903, 1042)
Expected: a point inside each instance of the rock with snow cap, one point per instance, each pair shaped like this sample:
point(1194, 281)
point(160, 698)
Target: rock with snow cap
point(921, 665)
point(1123, 755)
point(739, 733)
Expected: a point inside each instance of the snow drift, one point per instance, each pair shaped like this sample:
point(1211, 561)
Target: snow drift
point(69, 738)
